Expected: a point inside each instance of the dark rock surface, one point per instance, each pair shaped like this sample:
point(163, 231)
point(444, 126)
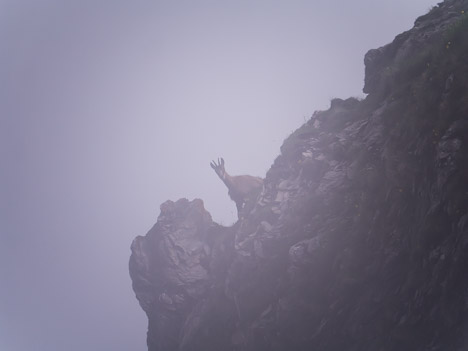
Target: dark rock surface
point(359, 239)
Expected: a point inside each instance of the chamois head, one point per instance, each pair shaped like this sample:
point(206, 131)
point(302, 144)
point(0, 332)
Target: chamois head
point(219, 168)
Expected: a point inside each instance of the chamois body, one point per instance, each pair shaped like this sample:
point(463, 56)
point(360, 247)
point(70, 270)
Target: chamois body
point(242, 188)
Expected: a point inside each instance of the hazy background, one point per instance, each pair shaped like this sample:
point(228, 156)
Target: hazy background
point(109, 108)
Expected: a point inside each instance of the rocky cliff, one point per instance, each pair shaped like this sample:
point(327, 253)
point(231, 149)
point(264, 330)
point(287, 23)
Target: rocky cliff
point(359, 239)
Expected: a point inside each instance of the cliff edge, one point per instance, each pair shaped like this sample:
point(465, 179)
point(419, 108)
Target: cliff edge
point(359, 238)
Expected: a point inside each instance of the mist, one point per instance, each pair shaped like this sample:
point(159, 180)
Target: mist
point(109, 108)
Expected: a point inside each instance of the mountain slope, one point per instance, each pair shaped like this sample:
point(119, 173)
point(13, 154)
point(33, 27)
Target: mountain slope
point(359, 239)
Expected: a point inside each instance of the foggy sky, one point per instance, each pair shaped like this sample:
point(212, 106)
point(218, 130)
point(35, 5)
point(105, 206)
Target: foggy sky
point(109, 108)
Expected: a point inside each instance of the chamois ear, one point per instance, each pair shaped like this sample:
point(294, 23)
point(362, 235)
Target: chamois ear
point(213, 165)
point(222, 161)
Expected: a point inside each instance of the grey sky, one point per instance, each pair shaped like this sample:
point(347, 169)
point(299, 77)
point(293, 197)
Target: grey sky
point(109, 108)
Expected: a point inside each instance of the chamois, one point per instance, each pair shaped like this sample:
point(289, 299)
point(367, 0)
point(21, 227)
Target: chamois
point(242, 189)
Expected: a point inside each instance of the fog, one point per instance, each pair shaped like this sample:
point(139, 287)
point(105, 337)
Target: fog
point(109, 108)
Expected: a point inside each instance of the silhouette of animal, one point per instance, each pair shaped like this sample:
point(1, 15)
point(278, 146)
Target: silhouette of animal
point(242, 188)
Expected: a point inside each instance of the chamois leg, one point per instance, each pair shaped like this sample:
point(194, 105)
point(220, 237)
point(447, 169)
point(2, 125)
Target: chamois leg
point(240, 207)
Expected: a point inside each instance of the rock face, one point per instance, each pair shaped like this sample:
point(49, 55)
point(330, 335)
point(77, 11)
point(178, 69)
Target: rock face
point(359, 239)
point(175, 268)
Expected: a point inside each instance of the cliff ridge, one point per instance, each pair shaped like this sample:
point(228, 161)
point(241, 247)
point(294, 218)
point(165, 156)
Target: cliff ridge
point(359, 237)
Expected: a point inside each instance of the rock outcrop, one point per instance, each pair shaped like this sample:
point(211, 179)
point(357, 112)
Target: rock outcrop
point(359, 238)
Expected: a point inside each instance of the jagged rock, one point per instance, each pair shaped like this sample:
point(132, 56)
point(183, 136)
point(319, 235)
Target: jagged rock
point(359, 238)
point(173, 268)
point(383, 65)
